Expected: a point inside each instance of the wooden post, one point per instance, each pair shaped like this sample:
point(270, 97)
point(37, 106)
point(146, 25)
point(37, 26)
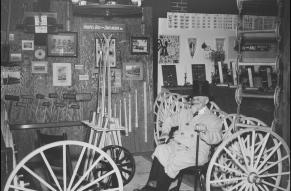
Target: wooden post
point(145, 111)
point(129, 112)
point(136, 111)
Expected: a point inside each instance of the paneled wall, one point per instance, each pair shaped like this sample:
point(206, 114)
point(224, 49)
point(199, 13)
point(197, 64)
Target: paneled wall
point(32, 84)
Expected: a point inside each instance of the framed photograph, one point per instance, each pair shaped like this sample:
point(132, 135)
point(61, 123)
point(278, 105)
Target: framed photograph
point(15, 57)
point(139, 45)
point(62, 74)
point(99, 55)
point(27, 45)
point(39, 67)
point(62, 44)
point(133, 71)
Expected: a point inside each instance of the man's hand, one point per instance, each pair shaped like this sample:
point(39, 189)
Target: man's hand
point(200, 127)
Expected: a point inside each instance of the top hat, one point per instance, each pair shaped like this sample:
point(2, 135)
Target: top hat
point(200, 88)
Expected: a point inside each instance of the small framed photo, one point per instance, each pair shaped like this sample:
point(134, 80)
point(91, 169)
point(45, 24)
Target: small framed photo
point(139, 45)
point(27, 45)
point(39, 67)
point(99, 55)
point(15, 57)
point(64, 44)
point(62, 74)
point(133, 71)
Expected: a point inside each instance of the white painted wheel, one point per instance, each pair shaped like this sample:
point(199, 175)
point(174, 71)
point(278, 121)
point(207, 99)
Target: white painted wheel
point(257, 160)
point(77, 180)
point(166, 106)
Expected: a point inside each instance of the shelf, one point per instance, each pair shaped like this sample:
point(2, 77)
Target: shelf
point(257, 94)
point(45, 125)
point(98, 10)
point(257, 7)
point(257, 64)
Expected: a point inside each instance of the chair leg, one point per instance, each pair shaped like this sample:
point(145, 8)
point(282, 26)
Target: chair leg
point(195, 180)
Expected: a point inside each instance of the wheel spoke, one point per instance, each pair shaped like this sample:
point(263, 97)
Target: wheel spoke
point(262, 149)
point(86, 173)
point(65, 167)
point(253, 148)
point(118, 153)
point(50, 170)
point(20, 188)
point(274, 186)
point(39, 178)
point(273, 164)
point(261, 187)
point(236, 186)
point(235, 160)
point(243, 150)
point(255, 188)
point(230, 169)
point(125, 170)
point(76, 168)
point(227, 180)
point(96, 180)
point(269, 156)
point(127, 164)
point(123, 177)
point(274, 174)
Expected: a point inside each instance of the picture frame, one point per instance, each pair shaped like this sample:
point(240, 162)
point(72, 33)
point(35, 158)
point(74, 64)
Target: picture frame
point(99, 56)
point(15, 57)
point(39, 67)
point(63, 44)
point(139, 45)
point(133, 71)
point(62, 74)
point(27, 44)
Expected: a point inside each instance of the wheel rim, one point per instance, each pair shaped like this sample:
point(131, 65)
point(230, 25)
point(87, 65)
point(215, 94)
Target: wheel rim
point(69, 181)
point(124, 161)
point(254, 162)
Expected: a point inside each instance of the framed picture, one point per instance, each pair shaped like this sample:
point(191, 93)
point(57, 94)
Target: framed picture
point(62, 74)
point(99, 55)
point(27, 45)
point(133, 71)
point(15, 57)
point(62, 44)
point(139, 45)
point(39, 67)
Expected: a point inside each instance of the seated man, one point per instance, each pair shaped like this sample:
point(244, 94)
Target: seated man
point(180, 151)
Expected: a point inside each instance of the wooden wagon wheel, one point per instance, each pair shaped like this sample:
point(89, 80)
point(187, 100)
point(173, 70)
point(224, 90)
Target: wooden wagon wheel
point(228, 129)
point(169, 105)
point(124, 161)
point(254, 160)
point(69, 181)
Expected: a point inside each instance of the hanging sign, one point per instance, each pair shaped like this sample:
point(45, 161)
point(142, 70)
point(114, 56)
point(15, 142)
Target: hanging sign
point(104, 27)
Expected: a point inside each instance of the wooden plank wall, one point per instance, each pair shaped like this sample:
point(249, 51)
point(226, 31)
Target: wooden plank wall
point(32, 84)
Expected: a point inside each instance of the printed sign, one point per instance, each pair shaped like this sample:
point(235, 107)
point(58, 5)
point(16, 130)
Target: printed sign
point(104, 27)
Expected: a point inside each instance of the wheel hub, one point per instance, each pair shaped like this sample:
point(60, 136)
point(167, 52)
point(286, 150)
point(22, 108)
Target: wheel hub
point(254, 178)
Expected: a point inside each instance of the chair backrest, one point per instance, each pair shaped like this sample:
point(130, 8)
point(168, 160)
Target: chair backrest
point(166, 105)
